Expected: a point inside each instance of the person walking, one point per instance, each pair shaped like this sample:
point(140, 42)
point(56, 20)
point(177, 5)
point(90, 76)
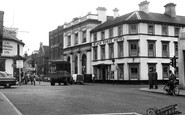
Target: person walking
point(150, 79)
point(155, 77)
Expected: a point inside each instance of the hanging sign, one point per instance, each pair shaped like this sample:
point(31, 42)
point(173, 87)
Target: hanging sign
point(19, 63)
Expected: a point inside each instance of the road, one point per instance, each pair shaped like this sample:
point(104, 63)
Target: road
point(90, 98)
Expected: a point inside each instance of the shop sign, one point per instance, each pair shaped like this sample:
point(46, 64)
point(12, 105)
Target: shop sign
point(8, 48)
point(19, 63)
point(106, 41)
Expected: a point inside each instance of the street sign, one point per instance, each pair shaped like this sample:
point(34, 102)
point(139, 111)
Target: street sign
point(19, 63)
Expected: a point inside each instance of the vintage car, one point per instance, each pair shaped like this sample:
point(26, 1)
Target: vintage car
point(78, 78)
point(60, 77)
point(6, 80)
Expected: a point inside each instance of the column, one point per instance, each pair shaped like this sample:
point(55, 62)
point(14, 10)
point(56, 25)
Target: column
point(79, 63)
point(89, 62)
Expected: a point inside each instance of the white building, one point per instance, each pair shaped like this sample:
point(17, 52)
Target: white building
point(77, 42)
point(12, 48)
point(125, 47)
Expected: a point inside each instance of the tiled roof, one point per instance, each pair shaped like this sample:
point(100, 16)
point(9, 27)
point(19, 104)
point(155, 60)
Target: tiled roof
point(6, 35)
point(140, 16)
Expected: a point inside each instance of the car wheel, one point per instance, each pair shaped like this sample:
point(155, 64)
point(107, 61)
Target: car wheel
point(7, 85)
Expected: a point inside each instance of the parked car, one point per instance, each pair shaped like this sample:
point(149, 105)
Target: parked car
point(78, 78)
point(6, 80)
point(60, 77)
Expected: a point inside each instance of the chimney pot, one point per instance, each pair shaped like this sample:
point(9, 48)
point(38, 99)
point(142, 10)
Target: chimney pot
point(115, 10)
point(143, 6)
point(170, 9)
point(101, 11)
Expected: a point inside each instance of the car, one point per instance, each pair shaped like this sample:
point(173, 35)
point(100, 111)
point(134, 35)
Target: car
point(78, 78)
point(60, 77)
point(6, 80)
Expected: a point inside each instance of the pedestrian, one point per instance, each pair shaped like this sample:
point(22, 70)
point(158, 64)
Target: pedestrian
point(34, 79)
point(155, 77)
point(172, 79)
point(150, 79)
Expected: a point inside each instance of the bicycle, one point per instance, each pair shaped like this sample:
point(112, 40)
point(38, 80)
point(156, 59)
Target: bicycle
point(174, 91)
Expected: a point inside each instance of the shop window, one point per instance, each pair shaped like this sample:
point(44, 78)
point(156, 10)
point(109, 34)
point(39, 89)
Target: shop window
point(120, 69)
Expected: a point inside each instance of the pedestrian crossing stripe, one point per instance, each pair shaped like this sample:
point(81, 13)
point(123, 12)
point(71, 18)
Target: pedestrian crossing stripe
point(131, 113)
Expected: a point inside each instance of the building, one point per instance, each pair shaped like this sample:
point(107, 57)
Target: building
point(126, 47)
point(77, 42)
point(12, 48)
point(40, 60)
point(56, 44)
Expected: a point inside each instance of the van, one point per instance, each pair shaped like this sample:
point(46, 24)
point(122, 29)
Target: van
point(78, 79)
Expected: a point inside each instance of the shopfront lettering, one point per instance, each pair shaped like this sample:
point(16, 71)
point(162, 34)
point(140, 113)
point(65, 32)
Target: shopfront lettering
point(107, 41)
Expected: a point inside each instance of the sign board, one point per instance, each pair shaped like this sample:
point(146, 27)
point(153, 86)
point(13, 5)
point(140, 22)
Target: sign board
point(19, 63)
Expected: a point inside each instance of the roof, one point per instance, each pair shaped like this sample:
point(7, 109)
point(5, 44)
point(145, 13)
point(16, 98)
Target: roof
point(140, 16)
point(7, 35)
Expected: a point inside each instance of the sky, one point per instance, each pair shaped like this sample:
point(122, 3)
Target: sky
point(35, 18)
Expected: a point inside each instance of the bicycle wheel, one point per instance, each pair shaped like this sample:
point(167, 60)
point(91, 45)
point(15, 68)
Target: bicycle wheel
point(176, 90)
point(166, 89)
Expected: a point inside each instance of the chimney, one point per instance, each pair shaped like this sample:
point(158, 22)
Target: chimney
point(1, 22)
point(101, 11)
point(170, 9)
point(143, 6)
point(116, 14)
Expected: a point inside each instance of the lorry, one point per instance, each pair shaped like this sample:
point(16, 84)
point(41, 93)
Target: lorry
point(60, 73)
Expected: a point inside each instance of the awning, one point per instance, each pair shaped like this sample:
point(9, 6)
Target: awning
point(102, 65)
point(18, 57)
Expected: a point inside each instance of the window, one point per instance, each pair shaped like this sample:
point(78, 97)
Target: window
point(102, 35)
point(165, 70)
point(84, 36)
point(151, 48)
point(120, 30)
point(176, 48)
point(133, 48)
point(151, 66)
point(150, 29)
point(110, 32)
point(177, 31)
point(134, 71)
point(165, 49)
point(133, 29)
point(95, 53)
point(120, 71)
point(69, 40)
point(76, 38)
point(95, 36)
point(111, 50)
point(103, 52)
point(120, 49)
point(164, 30)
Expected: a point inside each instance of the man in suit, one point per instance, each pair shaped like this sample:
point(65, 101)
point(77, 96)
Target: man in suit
point(155, 76)
point(150, 79)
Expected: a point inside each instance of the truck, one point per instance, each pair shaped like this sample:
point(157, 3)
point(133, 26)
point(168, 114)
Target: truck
point(60, 72)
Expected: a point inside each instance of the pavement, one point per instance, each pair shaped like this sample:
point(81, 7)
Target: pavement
point(7, 108)
point(160, 90)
